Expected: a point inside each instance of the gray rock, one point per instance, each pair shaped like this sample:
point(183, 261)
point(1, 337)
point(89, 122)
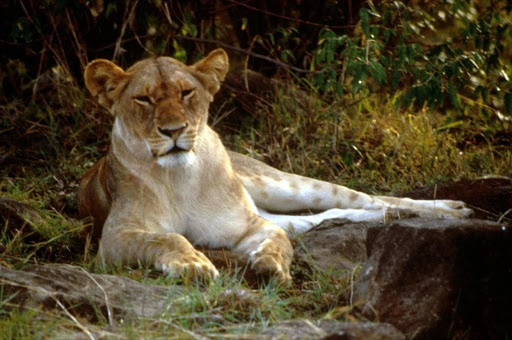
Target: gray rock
point(437, 279)
point(333, 246)
point(332, 330)
point(92, 296)
point(19, 214)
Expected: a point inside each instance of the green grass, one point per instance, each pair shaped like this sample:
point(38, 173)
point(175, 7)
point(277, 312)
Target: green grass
point(365, 143)
point(373, 145)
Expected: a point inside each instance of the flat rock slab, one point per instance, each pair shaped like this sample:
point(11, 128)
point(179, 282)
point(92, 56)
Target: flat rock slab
point(61, 286)
point(106, 297)
point(437, 279)
point(333, 246)
point(332, 330)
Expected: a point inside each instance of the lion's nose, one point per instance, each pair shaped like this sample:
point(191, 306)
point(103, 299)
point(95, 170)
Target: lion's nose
point(172, 131)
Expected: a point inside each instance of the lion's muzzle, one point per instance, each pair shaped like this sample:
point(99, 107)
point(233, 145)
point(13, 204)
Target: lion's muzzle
point(173, 131)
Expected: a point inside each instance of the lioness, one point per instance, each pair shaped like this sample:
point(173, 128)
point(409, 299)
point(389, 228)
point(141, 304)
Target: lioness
point(167, 182)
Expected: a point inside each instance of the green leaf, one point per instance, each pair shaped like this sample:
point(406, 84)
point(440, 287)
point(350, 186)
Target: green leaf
point(386, 34)
point(339, 89)
point(319, 80)
point(320, 57)
point(378, 72)
point(452, 93)
point(330, 56)
point(395, 79)
point(365, 21)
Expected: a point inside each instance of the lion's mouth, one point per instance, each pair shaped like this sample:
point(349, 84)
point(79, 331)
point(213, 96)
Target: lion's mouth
point(174, 157)
point(176, 150)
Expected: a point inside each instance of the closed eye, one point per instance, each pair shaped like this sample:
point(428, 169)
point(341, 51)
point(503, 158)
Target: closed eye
point(186, 93)
point(144, 100)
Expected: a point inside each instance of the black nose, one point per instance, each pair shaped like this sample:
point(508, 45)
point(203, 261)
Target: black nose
point(172, 132)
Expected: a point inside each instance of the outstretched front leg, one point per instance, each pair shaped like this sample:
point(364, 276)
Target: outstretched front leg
point(268, 247)
point(170, 253)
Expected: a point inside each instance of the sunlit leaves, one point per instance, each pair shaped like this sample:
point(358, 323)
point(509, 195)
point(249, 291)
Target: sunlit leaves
point(378, 72)
point(412, 50)
point(452, 93)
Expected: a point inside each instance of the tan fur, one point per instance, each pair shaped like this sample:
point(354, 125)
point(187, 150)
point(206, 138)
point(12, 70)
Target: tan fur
point(154, 205)
point(168, 183)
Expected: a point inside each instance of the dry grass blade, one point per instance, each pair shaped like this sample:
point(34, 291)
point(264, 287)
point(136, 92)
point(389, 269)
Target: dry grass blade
point(127, 17)
point(79, 325)
point(107, 303)
point(52, 296)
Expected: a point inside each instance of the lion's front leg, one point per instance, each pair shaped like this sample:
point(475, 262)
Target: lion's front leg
point(269, 249)
point(169, 252)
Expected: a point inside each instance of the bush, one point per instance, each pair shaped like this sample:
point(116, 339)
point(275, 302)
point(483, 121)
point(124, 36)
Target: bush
point(453, 55)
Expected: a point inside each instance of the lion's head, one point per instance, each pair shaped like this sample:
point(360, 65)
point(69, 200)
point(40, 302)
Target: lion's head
point(160, 104)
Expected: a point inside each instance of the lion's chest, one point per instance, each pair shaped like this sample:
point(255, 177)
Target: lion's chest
point(207, 215)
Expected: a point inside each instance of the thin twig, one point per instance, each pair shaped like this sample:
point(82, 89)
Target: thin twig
point(252, 54)
point(107, 303)
point(306, 22)
point(220, 44)
point(79, 325)
point(352, 278)
point(51, 295)
point(126, 20)
point(504, 215)
point(79, 46)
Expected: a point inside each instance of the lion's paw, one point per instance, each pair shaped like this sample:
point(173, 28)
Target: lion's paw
point(448, 209)
point(271, 259)
point(392, 214)
point(192, 264)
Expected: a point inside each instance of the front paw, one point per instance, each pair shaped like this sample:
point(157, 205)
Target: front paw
point(187, 264)
point(274, 259)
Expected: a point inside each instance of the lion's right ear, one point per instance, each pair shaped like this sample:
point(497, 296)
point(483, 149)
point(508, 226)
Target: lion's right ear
point(102, 77)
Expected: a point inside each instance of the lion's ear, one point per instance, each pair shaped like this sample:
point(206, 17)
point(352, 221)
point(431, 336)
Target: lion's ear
point(101, 78)
point(215, 64)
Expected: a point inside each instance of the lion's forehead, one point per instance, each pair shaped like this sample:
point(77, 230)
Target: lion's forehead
point(159, 74)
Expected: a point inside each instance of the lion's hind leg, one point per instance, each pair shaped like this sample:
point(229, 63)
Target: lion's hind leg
point(430, 208)
point(282, 192)
point(298, 224)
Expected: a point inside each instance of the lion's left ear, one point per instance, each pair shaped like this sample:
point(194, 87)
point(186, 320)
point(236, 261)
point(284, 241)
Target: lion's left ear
point(102, 77)
point(215, 64)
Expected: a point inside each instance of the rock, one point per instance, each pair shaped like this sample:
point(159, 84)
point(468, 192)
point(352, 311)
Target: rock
point(489, 198)
point(437, 279)
point(18, 214)
point(332, 246)
point(61, 286)
point(19, 220)
point(332, 330)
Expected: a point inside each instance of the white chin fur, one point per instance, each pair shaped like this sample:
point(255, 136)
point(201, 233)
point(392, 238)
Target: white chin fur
point(179, 159)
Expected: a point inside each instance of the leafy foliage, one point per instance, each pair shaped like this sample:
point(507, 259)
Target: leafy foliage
point(455, 54)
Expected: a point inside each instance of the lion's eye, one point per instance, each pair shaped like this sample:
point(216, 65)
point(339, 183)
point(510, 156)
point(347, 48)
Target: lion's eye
point(185, 94)
point(144, 100)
